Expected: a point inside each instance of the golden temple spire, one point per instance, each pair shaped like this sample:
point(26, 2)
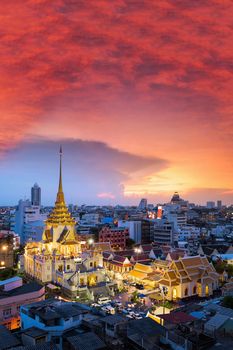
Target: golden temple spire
point(60, 214)
point(60, 194)
point(60, 176)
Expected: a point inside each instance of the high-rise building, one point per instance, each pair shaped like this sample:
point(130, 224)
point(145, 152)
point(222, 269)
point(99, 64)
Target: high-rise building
point(26, 216)
point(147, 231)
point(176, 198)
point(219, 204)
point(36, 195)
point(143, 204)
point(210, 205)
point(164, 232)
point(135, 229)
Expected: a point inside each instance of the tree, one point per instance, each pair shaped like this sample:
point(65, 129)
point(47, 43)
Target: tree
point(228, 301)
point(130, 242)
point(7, 273)
point(134, 297)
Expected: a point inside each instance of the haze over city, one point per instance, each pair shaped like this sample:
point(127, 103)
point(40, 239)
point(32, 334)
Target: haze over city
point(139, 94)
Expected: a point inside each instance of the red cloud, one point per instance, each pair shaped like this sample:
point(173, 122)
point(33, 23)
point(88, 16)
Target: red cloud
point(84, 54)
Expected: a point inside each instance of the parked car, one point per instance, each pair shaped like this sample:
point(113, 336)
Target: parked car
point(103, 300)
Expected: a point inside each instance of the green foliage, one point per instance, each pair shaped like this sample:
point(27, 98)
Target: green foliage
point(134, 297)
point(7, 273)
point(167, 304)
point(221, 266)
point(130, 242)
point(228, 302)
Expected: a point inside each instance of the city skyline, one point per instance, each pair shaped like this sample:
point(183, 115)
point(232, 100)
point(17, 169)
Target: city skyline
point(142, 110)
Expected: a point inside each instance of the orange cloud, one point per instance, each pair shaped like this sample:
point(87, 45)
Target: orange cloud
point(147, 77)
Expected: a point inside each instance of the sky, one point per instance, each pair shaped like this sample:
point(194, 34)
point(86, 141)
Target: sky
point(138, 92)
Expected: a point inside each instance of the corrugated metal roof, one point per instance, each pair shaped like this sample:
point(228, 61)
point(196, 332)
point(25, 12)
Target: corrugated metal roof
point(216, 322)
point(10, 280)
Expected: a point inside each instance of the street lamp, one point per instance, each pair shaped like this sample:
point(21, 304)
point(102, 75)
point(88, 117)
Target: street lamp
point(90, 241)
point(137, 251)
point(4, 247)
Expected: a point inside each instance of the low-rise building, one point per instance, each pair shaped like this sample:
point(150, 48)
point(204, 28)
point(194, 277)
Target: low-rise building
point(116, 236)
point(189, 276)
point(53, 316)
point(14, 294)
point(116, 264)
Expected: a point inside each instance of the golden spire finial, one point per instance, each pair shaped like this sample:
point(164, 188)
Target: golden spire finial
point(60, 194)
point(60, 176)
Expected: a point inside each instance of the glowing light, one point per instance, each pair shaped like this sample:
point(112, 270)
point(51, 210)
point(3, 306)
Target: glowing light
point(137, 250)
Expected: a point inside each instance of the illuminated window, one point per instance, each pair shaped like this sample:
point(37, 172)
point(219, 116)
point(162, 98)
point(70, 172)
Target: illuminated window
point(174, 293)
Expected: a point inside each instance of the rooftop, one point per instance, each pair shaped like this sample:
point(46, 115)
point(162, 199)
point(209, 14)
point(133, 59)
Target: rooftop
point(24, 289)
point(86, 341)
point(34, 332)
point(177, 317)
point(54, 309)
point(114, 319)
point(10, 280)
point(42, 346)
point(10, 340)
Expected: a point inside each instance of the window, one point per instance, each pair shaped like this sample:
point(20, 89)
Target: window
point(68, 267)
point(91, 264)
point(18, 308)
point(186, 292)
point(174, 293)
point(194, 290)
point(6, 312)
point(8, 325)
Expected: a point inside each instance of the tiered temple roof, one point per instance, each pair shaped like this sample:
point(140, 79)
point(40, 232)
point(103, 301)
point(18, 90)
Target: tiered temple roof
point(60, 214)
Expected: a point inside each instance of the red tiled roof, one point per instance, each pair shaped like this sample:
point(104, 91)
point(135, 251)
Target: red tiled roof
point(177, 317)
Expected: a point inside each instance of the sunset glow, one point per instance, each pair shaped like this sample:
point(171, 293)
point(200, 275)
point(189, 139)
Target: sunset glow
point(139, 93)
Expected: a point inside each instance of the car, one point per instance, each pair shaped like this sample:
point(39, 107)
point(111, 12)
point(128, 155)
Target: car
point(133, 284)
point(95, 305)
point(130, 305)
point(103, 300)
point(108, 309)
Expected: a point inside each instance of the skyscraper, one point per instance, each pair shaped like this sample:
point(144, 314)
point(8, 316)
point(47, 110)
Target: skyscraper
point(36, 195)
point(143, 204)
